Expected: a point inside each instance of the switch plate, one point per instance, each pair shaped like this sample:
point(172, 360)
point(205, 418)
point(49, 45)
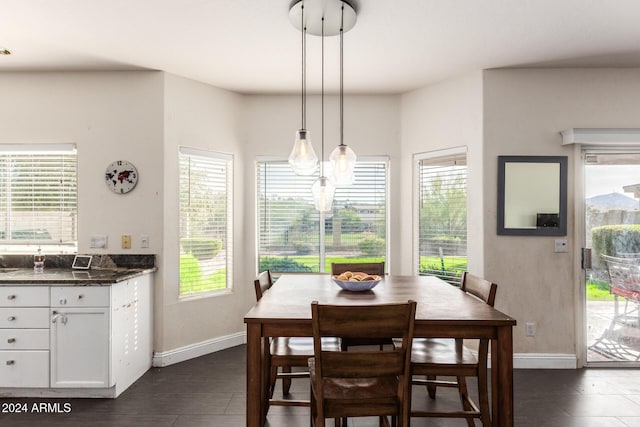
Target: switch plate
point(98, 241)
point(126, 241)
point(530, 329)
point(560, 245)
point(144, 241)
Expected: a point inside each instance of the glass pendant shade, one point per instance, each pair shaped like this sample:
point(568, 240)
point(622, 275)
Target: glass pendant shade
point(343, 163)
point(303, 159)
point(323, 191)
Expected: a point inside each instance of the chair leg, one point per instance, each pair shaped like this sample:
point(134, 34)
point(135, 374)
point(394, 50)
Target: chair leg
point(272, 382)
point(464, 398)
point(286, 382)
point(431, 388)
point(483, 397)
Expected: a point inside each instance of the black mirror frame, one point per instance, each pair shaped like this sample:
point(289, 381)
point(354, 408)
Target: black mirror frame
point(561, 230)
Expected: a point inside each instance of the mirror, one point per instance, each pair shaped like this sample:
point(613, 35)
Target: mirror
point(532, 195)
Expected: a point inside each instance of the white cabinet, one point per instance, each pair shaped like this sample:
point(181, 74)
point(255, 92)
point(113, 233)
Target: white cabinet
point(24, 336)
point(75, 341)
point(80, 336)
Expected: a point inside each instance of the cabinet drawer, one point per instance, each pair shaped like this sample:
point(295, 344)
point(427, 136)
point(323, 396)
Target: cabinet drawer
point(24, 317)
point(80, 296)
point(24, 339)
point(24, 296)
point(24, 369)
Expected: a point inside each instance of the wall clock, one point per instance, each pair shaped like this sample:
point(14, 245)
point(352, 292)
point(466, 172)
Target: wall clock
point(121, 176)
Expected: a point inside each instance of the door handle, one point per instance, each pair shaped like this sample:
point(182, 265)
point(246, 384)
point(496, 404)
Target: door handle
point(586, 258)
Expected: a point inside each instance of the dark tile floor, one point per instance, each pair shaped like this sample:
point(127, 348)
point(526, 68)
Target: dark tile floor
point(210, 391)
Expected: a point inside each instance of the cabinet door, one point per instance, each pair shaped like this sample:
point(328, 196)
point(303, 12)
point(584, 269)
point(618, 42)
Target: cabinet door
point(80, 347)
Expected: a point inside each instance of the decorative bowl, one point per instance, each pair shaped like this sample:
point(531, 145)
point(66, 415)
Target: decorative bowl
point(364, 285)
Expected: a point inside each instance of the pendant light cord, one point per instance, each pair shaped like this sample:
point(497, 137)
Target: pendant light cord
point(303, 30)
point(322, 100)
point(341, 77)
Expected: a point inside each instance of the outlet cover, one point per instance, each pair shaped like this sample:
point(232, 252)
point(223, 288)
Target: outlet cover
point(98, 241)
point(126, 241)
point(560, 245)
point(144, 241)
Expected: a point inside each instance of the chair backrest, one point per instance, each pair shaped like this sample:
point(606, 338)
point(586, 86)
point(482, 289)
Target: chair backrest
point(363, 321)
point(624, 274)
point(372, 268)
point(479, 288)
point(262, 283)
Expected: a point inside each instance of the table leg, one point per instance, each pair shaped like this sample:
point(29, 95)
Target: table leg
point(255, 390)
point(502, 377)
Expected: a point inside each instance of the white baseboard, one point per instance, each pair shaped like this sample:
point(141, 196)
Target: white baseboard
point(520, 360)
point(166, 358)
point(544, 361)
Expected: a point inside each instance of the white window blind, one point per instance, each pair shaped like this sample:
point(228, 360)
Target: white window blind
point(290, 229)
point(442, 216)
point(205, 221)
point(38, 198)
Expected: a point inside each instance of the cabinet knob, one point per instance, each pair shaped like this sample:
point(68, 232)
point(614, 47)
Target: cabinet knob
point(11, 340)
point(11, 362)
point(11, 297)
point(80, 296)
point(63, 301)
point(11, 318)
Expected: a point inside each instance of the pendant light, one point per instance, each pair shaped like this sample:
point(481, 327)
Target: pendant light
point(323, 189)
point(303, 159)
point(343, 159)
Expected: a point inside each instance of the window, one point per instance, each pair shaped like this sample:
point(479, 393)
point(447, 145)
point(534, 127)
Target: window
point(442, 214)
point(38, 200)
point(293, 236)
point(205, 221)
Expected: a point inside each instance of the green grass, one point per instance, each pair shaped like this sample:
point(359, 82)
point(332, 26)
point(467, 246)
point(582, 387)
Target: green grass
point(598, 290)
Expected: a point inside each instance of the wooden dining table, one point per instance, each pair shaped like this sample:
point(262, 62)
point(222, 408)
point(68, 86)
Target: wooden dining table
point(443, 311)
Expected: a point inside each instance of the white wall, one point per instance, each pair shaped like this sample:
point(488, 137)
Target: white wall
point(110, 116)
point(445, 115)
point(524, 111)
point(200, 116)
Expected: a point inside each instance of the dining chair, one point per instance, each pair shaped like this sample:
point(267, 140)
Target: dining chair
point(433, 358)
point(373, 268)
point(283, 353)
point(365, 382)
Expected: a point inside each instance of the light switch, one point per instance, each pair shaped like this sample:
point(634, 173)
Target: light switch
point(144, 241)
point(560, 245)
point(98, 241)
point(126, 241)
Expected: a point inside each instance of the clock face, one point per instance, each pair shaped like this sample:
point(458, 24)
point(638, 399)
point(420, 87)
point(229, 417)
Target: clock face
point(121, 176)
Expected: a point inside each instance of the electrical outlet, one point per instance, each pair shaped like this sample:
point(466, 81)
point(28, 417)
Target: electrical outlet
point(144, 241)
point(126, 241)
point(530, 329)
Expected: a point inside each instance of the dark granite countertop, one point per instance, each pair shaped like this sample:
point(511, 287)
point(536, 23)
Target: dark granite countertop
point(105, 269)
point(65, 276)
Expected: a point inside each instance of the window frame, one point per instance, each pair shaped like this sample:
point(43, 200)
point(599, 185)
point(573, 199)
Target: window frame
point(434, 155)
point(228, 160)
point(29, 246)
point(322, 250)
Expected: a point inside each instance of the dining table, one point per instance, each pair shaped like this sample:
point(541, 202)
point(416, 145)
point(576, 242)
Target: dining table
point(443, 311)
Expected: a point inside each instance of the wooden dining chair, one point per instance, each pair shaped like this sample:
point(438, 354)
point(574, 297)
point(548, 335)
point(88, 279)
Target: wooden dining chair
point(433, 358)
point(364, 382)
point(283, 353)
point(373, 268)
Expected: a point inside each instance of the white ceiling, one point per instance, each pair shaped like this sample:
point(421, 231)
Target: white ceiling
point(249, 46)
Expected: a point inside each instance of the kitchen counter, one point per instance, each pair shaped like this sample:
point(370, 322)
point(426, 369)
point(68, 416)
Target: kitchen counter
point(66, 276)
